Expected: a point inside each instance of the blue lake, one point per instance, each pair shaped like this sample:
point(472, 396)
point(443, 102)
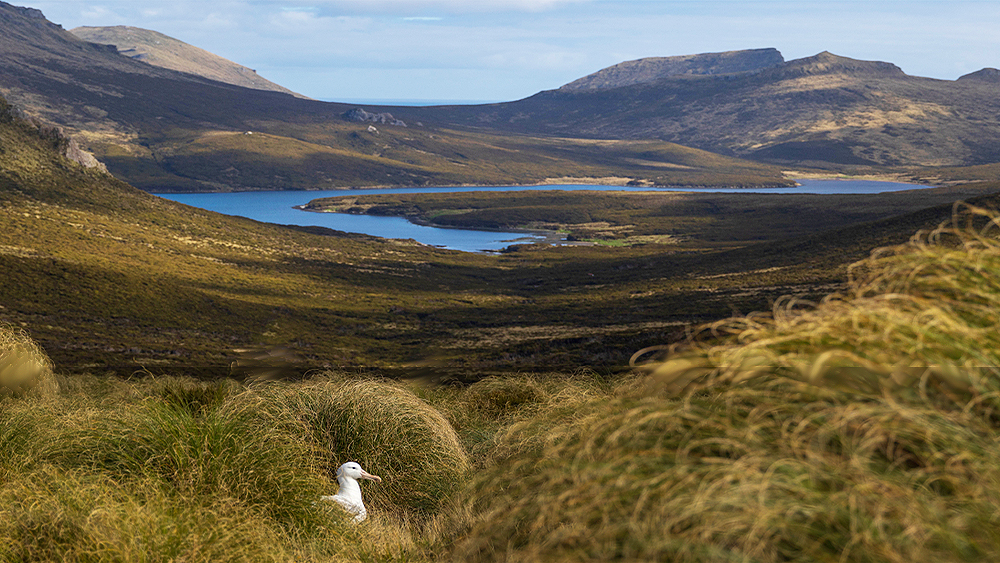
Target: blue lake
point(280, 207)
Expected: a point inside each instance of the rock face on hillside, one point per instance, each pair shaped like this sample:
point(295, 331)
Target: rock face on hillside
point(652, 69)
point(360, 115)
point(163, 51)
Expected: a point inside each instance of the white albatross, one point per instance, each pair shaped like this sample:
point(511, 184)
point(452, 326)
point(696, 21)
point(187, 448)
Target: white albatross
point(349, 495)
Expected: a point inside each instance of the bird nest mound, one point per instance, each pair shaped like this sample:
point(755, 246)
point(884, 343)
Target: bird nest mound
point(383, 426)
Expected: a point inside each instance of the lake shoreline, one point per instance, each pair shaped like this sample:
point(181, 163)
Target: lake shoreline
point(286, 206)
point(548, 237)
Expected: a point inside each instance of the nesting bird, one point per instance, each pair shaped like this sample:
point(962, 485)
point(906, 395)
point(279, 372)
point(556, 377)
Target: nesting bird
point(349, 495)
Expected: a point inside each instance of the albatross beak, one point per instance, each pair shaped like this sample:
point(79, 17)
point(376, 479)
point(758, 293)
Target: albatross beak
point(369, 476)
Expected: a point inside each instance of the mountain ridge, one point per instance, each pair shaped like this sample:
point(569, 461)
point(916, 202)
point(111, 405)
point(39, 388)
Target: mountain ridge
point(164, 51)
point(824, 111)
point(652, 69)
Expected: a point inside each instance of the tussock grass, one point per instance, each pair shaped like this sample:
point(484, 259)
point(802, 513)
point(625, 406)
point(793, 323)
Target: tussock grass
point(386, 428)
point(760, 472)
point(223, 453)
point(861, 428)
point(56, 516)
point(485, 409)
point(922, 315)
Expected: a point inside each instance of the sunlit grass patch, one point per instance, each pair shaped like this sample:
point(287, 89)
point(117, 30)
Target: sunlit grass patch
point(919, 316)
point(223, 453)
point(760, 472)
point(52, 515)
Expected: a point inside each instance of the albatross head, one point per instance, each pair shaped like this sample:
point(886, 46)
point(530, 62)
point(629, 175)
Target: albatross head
point(353, 470)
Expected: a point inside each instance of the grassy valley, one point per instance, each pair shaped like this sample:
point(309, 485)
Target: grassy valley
point(862, 427)
point(108, 277)
point(709, 377)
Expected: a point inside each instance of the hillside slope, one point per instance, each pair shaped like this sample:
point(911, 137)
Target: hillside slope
point(161, 50)
point(823, 110)
point(106, 276)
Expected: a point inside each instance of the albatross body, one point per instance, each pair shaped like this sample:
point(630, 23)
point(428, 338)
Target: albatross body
point(349, 495)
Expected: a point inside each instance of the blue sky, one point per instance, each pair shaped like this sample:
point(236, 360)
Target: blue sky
point(508, 49)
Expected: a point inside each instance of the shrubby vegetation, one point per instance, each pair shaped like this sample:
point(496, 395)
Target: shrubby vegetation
point(861, 428)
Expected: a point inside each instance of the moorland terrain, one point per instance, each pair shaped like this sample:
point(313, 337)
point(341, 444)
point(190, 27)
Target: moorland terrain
point(177, 384)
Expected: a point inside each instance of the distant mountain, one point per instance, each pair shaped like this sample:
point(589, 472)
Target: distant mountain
point(984, 75)
point(652, 69)
point(822, 110)
point(161, 50)
point(164, 130)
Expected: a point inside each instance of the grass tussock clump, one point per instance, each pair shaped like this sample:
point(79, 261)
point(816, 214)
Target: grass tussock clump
point(922, 314)
point(386, 428)
point(59, 516)
point(760, 472)
point(863, 428)
point(24, 367)
point(221, 453)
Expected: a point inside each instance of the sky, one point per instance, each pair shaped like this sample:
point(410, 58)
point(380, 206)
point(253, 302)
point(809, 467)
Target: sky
point(502, 50)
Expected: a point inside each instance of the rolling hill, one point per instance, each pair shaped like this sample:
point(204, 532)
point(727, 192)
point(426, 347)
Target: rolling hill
point(825, 110)
point(163, 51)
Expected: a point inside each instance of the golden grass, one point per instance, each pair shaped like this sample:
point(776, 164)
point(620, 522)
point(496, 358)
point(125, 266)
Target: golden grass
point(862, 428)
point(755, 473)
point(918, 315)
point(384, 427)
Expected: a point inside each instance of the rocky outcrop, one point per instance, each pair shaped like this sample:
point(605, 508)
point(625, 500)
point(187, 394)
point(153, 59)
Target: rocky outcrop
point(652, 69)
point(984, 75)
point(360, 115)
point(60, 141)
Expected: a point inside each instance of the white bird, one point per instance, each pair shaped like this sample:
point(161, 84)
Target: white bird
point(349, 495)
